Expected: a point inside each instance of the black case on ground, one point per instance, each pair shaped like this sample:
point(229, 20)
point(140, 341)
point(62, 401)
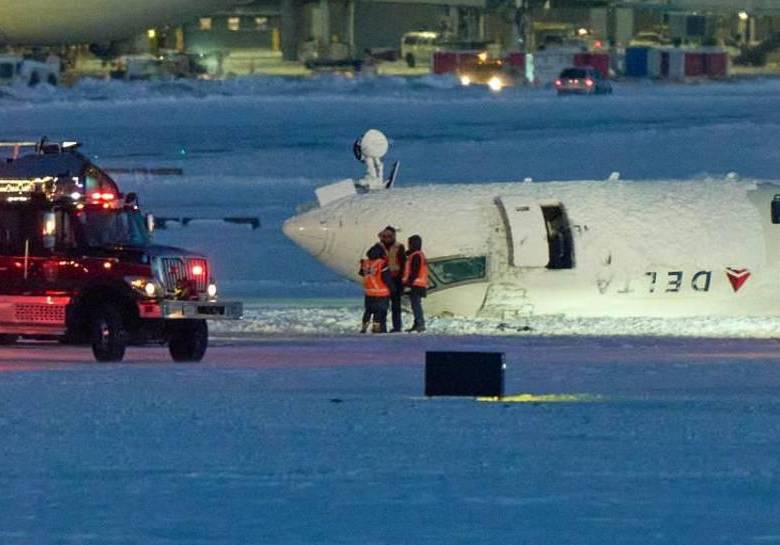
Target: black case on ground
point(470, 374)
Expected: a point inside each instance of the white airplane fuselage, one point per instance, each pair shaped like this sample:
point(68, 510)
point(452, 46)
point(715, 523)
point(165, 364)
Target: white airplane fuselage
point(65, 22)
point(580, 249)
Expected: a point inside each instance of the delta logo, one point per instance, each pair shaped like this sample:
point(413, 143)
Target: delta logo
point(737, 277)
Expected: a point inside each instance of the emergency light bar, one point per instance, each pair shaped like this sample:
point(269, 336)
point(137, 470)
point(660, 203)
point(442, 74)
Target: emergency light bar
point(13, 190)
point(36, 185)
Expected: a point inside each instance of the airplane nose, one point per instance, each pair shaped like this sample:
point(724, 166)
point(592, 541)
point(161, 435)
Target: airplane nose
point(308, 232)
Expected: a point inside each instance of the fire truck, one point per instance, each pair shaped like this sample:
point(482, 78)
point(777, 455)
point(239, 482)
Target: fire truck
point(78, 263)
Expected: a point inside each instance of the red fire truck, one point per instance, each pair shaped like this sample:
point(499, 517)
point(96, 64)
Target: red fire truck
point(78, 264)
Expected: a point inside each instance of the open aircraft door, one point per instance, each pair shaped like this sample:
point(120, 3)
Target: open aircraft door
point(526, 232)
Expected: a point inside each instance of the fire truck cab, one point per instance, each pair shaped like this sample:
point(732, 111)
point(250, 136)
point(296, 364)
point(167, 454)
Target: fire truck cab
point(78, 263)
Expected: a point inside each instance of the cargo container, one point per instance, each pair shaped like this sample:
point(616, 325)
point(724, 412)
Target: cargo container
point(599, 61)
point(717, 64)
point(676, 64)
point(694, 64)
point(636, 62)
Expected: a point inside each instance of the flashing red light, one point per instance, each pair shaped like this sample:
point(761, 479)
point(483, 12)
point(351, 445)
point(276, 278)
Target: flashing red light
point(96, 196)
point(589, 83)
point(197, 270)
point(598, 44)
point(558, 83)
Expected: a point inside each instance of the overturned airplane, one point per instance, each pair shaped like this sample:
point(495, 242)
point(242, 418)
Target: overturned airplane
point(579, 248)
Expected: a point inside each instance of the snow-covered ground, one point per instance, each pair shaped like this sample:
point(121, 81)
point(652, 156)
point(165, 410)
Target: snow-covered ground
point(342, 317)
point(297, 431)
point(324, 440)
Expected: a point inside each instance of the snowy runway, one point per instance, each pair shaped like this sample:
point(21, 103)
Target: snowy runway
point(296, 431)
point(328, 440)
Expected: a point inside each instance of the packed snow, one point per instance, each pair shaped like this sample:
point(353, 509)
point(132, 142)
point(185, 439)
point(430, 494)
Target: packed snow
point(323, 440)
point(318, 317)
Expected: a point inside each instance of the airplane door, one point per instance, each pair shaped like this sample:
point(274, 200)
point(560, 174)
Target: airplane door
point(526, 232)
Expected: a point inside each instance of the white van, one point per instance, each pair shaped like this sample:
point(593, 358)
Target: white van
point(17, 70)
point(418, 47)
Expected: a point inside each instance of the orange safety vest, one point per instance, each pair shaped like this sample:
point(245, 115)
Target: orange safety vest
point(373, 283)
point(422, 279)
point(394, 259)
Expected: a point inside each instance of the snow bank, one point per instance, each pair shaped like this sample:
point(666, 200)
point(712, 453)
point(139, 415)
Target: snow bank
point(314, 318)
point(429, 87)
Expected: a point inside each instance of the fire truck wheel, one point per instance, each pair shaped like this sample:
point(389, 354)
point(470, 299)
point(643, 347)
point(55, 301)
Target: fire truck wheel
point(188, 340)
point(108, 335)
point(8, 339)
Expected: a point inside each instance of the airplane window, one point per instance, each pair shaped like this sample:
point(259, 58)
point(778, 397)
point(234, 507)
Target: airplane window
point(459, 269)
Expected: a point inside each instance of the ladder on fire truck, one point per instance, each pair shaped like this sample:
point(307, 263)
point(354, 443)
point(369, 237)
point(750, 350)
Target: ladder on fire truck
point(43, 146)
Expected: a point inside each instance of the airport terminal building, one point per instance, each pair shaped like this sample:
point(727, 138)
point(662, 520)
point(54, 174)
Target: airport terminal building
point(301, 29)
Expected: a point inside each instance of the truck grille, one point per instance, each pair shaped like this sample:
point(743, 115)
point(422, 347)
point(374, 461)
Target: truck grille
point(177, 274)
point(39, 313)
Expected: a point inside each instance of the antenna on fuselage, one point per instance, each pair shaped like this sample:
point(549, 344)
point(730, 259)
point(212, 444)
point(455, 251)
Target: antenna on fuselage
point(370, 149)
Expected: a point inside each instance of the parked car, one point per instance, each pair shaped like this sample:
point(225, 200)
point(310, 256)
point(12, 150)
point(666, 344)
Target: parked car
point(582, 81)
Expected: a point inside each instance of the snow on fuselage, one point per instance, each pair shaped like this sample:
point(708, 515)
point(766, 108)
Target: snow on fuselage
point(601, 248)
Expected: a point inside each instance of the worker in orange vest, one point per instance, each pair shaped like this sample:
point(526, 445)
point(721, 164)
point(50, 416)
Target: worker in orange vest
point(416, 280)
point(378, 287)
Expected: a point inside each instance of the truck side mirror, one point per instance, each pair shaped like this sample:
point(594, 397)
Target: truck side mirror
point(49, 230)
point(150, 223)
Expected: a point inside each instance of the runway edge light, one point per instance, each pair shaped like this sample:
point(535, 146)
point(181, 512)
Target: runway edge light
point(464, 374)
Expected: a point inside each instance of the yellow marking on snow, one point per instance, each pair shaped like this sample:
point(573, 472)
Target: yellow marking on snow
point(543, 398)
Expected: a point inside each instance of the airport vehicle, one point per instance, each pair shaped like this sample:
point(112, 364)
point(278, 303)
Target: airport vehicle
point(18, 70)
point(139, 67)
point(649, 39)
point(417, 48)
point(581, 249)
point(582, 81)
point(78, 264)
point(166, 66)
point(492, 73)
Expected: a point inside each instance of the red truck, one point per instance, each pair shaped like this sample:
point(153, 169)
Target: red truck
point(78, 264)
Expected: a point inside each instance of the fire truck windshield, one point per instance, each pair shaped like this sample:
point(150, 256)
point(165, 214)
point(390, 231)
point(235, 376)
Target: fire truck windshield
point(108, 227)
